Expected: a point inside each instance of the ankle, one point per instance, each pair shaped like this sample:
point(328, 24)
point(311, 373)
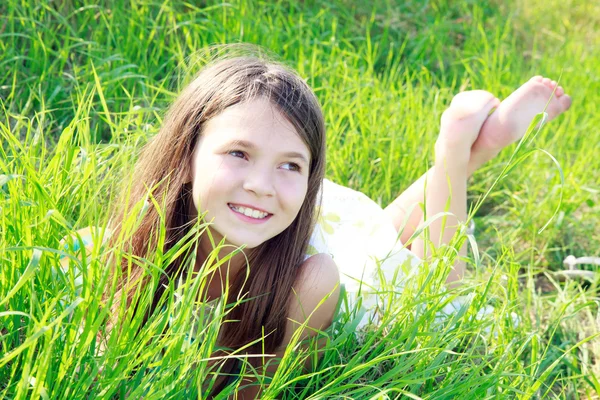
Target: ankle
point(479, 158)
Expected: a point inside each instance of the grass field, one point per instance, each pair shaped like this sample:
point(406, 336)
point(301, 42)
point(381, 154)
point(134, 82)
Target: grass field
point(83, 87)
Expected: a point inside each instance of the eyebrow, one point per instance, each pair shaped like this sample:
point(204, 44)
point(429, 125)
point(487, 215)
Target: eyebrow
point(251, 146)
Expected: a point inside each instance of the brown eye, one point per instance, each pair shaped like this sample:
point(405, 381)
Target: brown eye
point(291, 167)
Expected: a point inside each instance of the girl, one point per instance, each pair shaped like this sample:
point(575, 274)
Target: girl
point(243, 147)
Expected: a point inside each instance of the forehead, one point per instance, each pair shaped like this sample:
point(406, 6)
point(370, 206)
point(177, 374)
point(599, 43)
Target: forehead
point(255, 120)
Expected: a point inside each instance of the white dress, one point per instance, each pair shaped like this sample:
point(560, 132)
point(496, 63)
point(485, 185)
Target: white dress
point(363, 242)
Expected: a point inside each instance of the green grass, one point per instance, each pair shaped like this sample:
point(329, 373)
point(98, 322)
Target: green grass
point(82, 87)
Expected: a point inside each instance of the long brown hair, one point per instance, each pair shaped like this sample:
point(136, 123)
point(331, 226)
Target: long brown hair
point(164, 165)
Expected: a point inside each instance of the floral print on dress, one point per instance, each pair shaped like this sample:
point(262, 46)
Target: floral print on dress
point(362, 241)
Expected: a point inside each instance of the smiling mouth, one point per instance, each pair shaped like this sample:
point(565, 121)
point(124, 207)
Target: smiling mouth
point(249, 212)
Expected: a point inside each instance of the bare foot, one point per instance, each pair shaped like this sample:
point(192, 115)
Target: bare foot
point(463, 120)
point(511, 119)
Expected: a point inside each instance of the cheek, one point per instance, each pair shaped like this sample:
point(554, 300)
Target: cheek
point(294, 195)
point(198, 198)
point(211, 180)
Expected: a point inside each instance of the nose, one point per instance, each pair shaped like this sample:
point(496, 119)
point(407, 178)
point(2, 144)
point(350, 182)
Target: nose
point(259, 181)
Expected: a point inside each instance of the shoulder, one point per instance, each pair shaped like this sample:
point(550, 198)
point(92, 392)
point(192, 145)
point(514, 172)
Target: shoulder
point(83, 239)
point(314, 297)
point(318, 274)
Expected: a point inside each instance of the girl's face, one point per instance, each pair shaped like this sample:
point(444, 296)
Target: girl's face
point(249, 173)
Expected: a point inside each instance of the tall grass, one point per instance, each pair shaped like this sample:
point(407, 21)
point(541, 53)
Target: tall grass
point(83, 87)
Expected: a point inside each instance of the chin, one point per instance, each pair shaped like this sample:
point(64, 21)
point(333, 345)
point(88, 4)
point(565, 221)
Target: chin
point(247, 243)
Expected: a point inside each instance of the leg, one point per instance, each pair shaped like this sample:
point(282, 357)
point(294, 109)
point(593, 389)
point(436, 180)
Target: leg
point(505, 126)
point(446, 191)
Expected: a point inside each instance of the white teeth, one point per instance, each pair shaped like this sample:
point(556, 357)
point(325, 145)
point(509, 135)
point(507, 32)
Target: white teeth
point(250, 212)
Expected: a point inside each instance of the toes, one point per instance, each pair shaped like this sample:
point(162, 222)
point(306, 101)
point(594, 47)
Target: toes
point(537, 78)
point(559, 91)
point(559, 106)
point(565, 102)
point(546, 81)
point(471, 104)
point(472, 99)
point(553, 83)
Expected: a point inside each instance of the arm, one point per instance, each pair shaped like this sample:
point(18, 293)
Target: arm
point(314, 303)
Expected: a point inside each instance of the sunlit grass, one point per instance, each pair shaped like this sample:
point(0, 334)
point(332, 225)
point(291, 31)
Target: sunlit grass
point(82, 88)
